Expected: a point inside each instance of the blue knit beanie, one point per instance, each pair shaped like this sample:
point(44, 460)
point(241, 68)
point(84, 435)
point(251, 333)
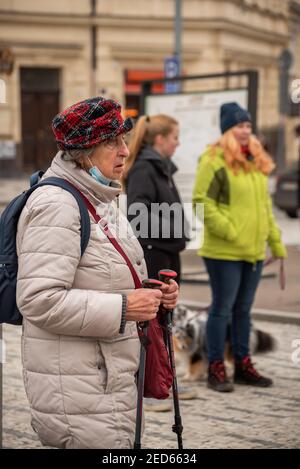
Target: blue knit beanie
point(232, 114)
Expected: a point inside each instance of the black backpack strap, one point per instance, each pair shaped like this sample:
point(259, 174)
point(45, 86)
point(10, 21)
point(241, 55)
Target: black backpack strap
point(84, 214)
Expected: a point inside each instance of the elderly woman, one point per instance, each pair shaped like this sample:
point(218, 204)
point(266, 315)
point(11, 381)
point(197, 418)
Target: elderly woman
point(80, 347)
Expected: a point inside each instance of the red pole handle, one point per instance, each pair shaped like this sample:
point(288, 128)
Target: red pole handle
point(165, 275)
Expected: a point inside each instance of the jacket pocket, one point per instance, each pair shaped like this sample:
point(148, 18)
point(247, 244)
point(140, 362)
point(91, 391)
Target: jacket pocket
point(118, 355)
point(231, 233)
point(102, 367)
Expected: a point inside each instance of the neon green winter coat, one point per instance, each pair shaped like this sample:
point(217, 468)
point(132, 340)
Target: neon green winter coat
point(238, 217)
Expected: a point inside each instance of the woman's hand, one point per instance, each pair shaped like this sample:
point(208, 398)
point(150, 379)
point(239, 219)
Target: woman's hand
point(143, 304)
point(169, 294)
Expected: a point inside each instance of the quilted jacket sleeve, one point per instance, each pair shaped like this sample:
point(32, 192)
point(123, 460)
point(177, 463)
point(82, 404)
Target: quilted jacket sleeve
point(206, 190)
point(274, 239)
point(48, 243)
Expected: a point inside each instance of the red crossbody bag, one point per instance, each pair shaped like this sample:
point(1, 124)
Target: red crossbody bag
point(158, 371)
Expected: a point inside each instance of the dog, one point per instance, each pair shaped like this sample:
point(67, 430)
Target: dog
point(189, 342)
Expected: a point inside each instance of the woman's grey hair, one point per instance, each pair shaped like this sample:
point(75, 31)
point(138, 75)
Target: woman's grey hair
point(77, 155)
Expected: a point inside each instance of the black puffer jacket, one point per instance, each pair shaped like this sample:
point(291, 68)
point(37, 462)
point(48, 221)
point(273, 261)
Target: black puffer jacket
point(149, 182)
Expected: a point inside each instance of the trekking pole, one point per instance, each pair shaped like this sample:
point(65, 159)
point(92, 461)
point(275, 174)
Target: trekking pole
point(166, 276)
point(148, 283)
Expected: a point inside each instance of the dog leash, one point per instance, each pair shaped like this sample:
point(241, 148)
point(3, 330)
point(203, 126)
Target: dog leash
point(282, 277)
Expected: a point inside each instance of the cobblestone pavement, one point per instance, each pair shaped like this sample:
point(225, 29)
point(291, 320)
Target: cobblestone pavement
point(247, 418)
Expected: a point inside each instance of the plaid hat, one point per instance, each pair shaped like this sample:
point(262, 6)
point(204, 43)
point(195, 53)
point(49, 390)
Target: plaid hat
point(232, 114)
point(88, 123)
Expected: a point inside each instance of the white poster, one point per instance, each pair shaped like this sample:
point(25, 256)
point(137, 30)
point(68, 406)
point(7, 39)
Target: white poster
point(198, 117)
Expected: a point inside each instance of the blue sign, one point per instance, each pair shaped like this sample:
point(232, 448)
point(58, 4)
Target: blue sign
point(172, 68)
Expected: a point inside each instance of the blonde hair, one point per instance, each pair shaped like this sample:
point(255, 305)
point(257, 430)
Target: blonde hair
point(236, 160)
point(145, 131)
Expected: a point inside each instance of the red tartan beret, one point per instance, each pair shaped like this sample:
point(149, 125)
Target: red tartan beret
point(88, 123)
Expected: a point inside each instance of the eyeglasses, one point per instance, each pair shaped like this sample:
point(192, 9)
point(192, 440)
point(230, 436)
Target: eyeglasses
point(116, 142)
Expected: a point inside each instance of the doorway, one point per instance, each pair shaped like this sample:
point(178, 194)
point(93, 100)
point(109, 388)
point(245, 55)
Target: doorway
point(39, 104)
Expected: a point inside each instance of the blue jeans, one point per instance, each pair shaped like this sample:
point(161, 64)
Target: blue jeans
point(233, 285)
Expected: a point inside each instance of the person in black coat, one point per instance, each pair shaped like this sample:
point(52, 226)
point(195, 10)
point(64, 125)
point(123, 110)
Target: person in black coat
point(154, 207)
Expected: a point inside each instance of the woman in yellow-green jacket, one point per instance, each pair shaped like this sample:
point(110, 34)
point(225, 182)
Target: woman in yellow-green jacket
point(232, 183)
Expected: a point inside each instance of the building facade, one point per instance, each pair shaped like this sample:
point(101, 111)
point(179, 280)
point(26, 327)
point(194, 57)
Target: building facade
point(56, 52)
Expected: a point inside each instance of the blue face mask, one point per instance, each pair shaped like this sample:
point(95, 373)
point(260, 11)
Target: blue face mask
point(98, 176)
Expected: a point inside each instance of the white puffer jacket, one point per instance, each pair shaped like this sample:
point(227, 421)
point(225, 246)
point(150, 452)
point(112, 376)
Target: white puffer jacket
point(79, 372)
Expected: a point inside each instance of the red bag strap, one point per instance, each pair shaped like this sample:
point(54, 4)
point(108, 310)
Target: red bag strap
point(112, 239)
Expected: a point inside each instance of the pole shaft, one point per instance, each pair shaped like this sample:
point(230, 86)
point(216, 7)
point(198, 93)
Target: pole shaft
point(177, 427)
point(178, 21)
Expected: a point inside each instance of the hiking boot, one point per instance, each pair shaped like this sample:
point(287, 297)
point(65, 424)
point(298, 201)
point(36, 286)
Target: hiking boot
point(245, 373)
point(186, 394)
point(157, 405)
point(217, 378)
